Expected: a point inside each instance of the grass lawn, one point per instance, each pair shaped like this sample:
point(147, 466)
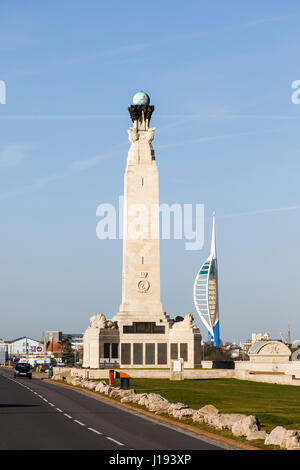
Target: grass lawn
point(274, 405)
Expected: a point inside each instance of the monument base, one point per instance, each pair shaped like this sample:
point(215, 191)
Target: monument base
point(141, 344)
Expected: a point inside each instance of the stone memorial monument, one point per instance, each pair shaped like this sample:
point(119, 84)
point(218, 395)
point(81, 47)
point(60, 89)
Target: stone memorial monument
point(141, 334)
point(272, 351)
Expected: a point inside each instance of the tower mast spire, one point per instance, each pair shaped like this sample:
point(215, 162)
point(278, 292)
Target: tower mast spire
point(213, 252)
point(206, 292)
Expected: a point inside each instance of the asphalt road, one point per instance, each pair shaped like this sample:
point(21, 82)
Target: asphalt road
point(38, 415)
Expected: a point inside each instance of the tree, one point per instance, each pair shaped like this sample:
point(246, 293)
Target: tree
point(67, 353)
point(213, 353)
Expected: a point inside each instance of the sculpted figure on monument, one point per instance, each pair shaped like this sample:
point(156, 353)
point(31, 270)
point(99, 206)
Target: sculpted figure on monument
point(150, 134)
point(111, 324)
point(271, 349)
point(99, 321)
point(133, 135)
point(187, 322)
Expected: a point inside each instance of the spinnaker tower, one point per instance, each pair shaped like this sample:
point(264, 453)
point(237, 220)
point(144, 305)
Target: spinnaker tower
point(206, 292)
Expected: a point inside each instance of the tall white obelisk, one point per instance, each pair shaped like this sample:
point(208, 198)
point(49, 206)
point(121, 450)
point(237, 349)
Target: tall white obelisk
point(141, 258)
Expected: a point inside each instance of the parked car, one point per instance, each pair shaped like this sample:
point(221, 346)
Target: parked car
point(23, 369)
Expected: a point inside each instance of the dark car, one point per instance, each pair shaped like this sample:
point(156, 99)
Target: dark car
point(23, 369)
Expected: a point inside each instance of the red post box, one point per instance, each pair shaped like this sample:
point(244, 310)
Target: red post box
point(111, 377)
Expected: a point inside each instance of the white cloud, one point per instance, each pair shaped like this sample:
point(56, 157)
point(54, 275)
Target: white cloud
point(271, 19)
point(261, 211)
point(89, 162)
point(220, 116)
point(213, 138)
point(12, 155)
point(75, 167)
point(79, 60)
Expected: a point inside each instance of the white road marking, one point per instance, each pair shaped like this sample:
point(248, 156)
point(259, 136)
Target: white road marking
point(79, 422)
point(117, 442)
point(68, 416)
point(94, 430)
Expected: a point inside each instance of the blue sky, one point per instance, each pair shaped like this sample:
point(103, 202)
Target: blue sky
point(219, 75)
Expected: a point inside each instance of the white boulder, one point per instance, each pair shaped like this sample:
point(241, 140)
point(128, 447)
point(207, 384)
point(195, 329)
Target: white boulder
point(107, 390)
point(284, 438)
point(117, 393)
point(223, 421)
point(133, 398)
point(184, 413)
point(176, 407)
point(144, 400)
point(245, 426)
point(153, 402)
point(293, 442)
point(84, 383)
point(276, 437)
point(136, 397)
point(180, 410)
point(92, 385)
point(253, 435)
point(209, 410)
point(157, 403)
point(101, 386)
point(205, 414)
point(75, 381)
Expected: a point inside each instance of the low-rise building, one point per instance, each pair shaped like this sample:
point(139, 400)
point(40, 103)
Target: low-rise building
point(24, 345)
point(255, 337)
point(3, 353)
point(53, 338)
point(76, 340)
